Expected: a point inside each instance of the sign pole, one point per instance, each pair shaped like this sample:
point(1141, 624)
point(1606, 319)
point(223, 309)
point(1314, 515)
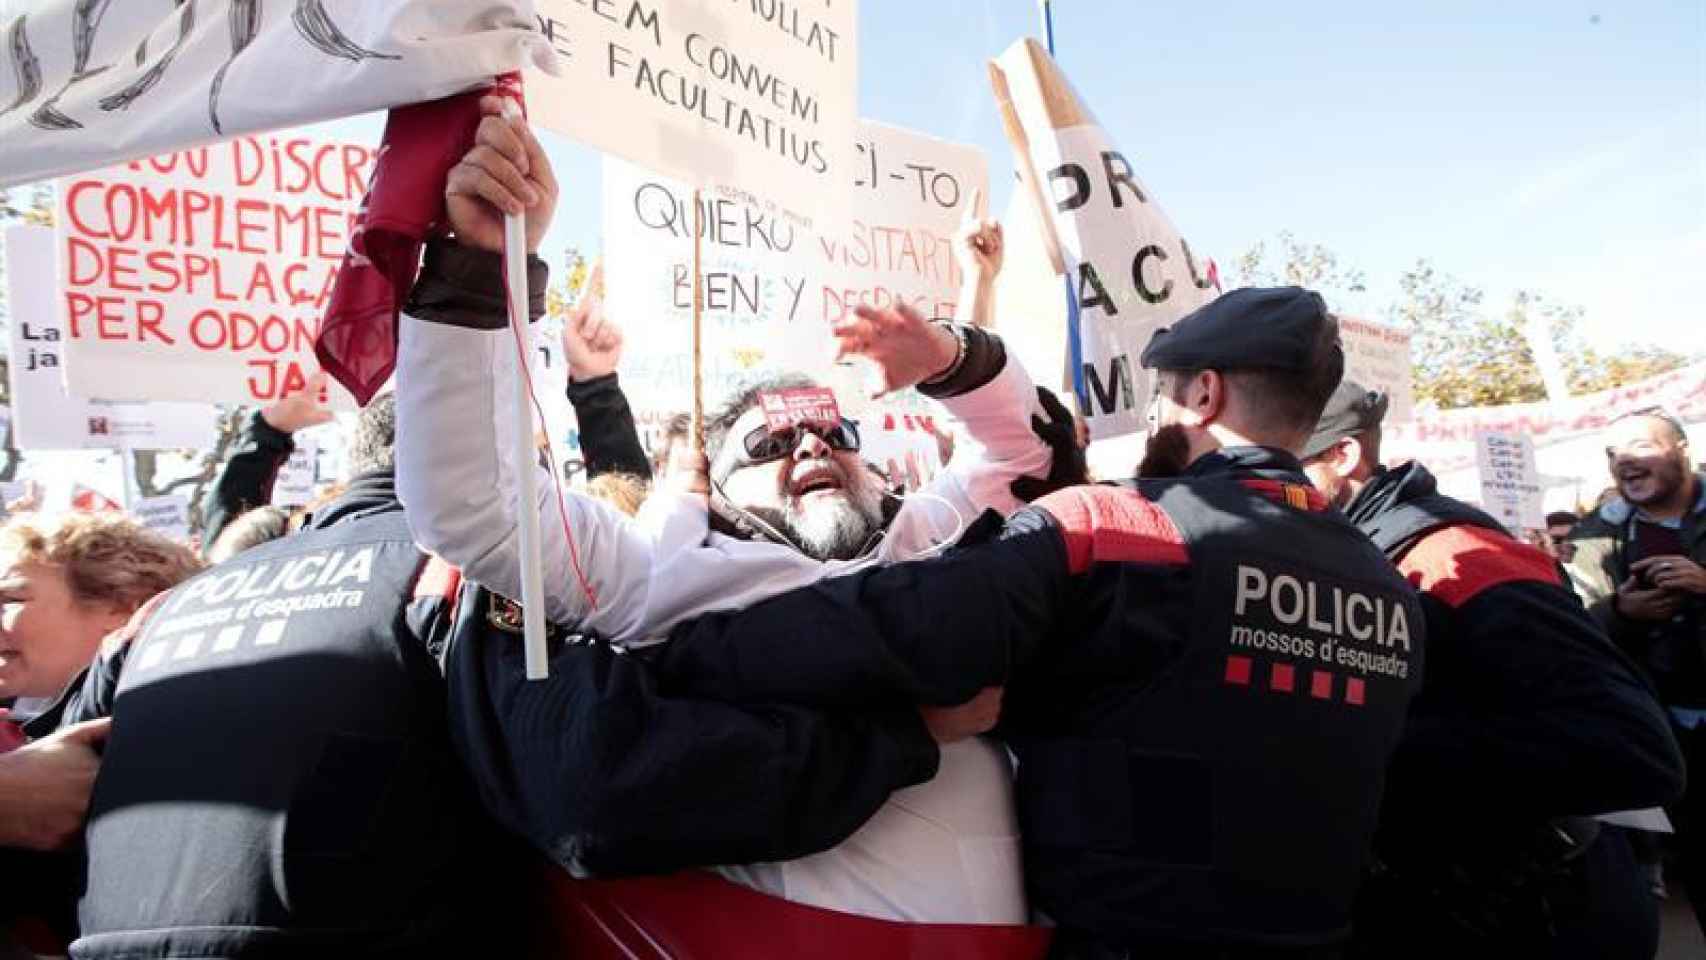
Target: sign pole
point(698, 424)
point(525, 458)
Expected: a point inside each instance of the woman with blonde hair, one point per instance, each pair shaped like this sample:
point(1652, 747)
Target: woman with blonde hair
point(67, 581)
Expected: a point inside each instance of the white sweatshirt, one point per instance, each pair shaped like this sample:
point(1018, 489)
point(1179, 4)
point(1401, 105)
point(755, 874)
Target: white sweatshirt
point(946, 851)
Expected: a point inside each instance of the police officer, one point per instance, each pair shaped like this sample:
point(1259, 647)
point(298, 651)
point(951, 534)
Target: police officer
point(279, 779)
point(1529, 719)
point(1206, 670)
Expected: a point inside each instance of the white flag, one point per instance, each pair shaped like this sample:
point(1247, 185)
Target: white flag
point(90, 83)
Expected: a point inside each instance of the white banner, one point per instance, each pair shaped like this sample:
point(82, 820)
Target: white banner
point(1378, 357)
point(45, 416)
point(773, 289)
point(201, 275)
point(1510, 481)
point(1130, 270)
point(88, 84)
point(760, 95)
point(1444, 439)
point(167, 515)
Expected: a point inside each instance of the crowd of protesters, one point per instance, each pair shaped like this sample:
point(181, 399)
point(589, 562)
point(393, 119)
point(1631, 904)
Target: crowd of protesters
point(1266, 698)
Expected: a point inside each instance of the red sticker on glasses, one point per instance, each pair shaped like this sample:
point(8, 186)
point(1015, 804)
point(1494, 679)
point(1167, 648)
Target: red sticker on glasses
point(797, 405)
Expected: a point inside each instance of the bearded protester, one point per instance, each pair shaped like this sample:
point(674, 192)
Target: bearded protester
point(1638, 566)
point(796, 503)
point(1526, 699)
point(1206, 672)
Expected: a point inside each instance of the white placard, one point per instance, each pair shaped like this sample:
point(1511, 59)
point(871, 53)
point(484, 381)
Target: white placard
point(1510, 481)
point(295, 483)
point(1378, 357)
point(45, 416)
point(772, 288)
point(1130, 270)
point(201, 275)
point(88, 84)
point(168, 515)
point(760, 95)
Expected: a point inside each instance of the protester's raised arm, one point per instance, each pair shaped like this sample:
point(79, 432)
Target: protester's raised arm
point(592, 344)
point(457, 368)
point(246, 479)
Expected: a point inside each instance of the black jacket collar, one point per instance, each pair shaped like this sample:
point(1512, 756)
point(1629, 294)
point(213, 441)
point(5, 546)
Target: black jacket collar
point(1246, 459)
point(1390, 488)
point(366, 495)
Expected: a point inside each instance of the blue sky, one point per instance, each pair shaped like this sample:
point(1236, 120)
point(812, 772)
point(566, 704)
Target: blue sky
point(1551, 145)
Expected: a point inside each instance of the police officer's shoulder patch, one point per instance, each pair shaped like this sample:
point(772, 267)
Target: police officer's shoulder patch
point(1457, 563)
point(1110, 524)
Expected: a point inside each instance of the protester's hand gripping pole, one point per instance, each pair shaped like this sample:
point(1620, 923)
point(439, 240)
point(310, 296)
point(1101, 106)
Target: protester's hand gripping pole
point(525, 457)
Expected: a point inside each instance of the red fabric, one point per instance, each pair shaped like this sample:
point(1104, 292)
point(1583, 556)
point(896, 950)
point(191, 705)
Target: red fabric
point(1455, 564)
point(1113, 525)
point(404, 206)
point(438, 579)
point(89, 500)
point(11, 736)
point(693, 916)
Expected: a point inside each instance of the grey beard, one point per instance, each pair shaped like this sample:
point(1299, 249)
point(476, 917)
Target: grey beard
point(840, 529)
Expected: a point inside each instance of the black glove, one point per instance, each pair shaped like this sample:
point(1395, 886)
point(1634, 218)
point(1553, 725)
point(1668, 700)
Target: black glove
point(1067, 468)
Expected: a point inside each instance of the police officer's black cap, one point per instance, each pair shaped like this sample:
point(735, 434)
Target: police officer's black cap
point(1267, 328)
point(1352, 409)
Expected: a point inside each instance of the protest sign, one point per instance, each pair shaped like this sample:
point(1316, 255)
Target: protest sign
point(45, 416)
point(759, 95)
point(1510, 481)
point(294, 485)
point(1378, 357)
point(1130, 271)
point(202, 274)
point(1444, 439)
point(167, 515)
point(773, 289)
point(86, 85)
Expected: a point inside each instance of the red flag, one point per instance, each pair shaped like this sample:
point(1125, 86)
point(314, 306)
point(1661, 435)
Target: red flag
point(357, 339)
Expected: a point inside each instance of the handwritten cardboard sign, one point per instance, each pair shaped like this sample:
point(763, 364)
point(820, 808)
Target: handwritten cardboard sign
point(1129, 269)
point(1510, 481)
point(201, 275)
point(759, 95)
point(773, 287)
point(45, 417)
point(1378, 357)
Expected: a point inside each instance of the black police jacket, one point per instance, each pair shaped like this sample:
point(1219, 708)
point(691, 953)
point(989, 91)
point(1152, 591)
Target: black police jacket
point(1526, 697)
point(1528, 714)
point(1206, 677)
point(279, 779)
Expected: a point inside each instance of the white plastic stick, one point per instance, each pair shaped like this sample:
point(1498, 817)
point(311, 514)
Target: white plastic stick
point(526, 458)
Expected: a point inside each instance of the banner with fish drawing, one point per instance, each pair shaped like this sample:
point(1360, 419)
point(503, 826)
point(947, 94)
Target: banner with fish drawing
point(89, 83)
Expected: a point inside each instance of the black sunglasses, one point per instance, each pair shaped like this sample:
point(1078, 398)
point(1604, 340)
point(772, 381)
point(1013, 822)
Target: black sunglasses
point(764, 445)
